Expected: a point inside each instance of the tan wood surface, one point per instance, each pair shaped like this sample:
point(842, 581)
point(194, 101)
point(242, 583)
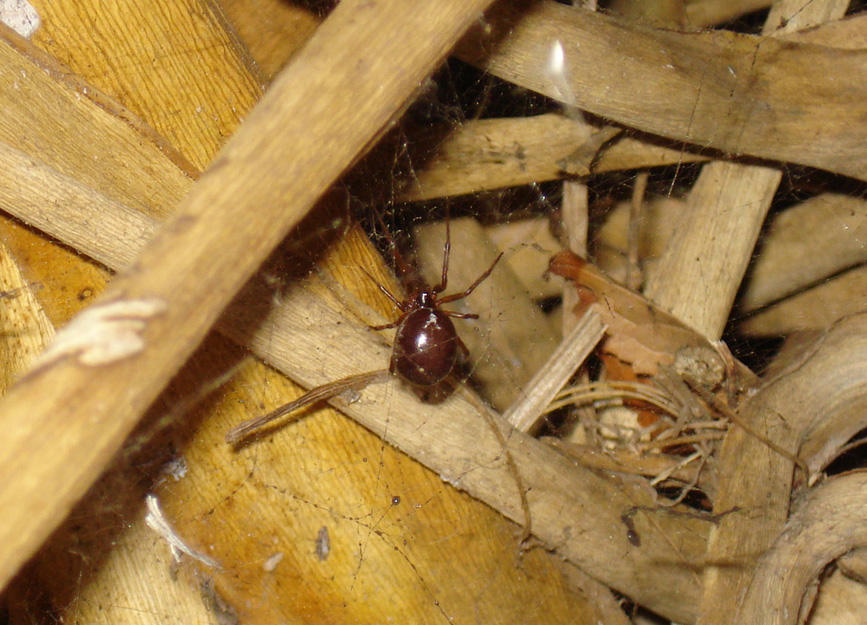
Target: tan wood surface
point(402, 540)
point(829, 524)
point(295, 338)
point(171, 305)
point(127, 569)
point(696, 87)
point(698, 278)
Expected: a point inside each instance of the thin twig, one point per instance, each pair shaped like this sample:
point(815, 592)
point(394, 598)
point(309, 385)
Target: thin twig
point(320, 393)
point(596, 391)
point(633, 271)
point(569, 355)
point(680, 440)
point(686, 489)
point(713, 402)
point(630, 462)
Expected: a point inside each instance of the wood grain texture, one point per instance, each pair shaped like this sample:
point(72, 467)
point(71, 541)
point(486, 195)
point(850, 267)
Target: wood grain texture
point(816, 308)
point(842, 600)
point(57, 110)
point(128, 573)
point(271, 499)
point(150, 57)
point(449, 439)
point(477, 155)
point(809, 289)
point(698, 276)
point(739, 94)
point(837, 397)
point(204, 273)
point(272, 31)
point(528, 411)
point(453, 439)
point(299, 350)
point(24, 326)
point(811, 408)
point(829, 523)
point(489, 154)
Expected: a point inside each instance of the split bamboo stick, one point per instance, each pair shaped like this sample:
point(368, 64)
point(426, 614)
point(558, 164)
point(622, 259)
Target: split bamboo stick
point(703, 88)
point(65, 420)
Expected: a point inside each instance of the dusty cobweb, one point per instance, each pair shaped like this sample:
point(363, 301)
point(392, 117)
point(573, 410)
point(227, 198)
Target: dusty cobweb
point(387, 521)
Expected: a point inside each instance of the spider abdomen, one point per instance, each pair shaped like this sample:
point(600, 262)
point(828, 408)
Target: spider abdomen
point(426, 347)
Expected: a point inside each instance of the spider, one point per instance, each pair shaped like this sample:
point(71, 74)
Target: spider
point(427, 353)
point(427, 349)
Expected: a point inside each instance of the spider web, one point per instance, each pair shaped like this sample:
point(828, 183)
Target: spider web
point(388, 524)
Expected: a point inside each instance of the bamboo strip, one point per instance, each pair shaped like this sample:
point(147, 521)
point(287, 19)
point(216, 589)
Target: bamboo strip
point(805, 244)
point(355, 75)
point(827, 525)
point(540, 391)
point(703, 291)
point(451, 439)
point(489, 154)
point(816, 308)
point(698, 276)
point(677, 84)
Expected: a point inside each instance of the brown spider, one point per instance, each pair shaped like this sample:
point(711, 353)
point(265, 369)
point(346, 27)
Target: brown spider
point(427, 350)
point(427, 354)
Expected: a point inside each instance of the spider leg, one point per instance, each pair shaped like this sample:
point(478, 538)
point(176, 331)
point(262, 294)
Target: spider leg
point(400, 304)
point(321, 393)
point(472, 287)
point(444, 281)
point(388, 326)
point(403, 306)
